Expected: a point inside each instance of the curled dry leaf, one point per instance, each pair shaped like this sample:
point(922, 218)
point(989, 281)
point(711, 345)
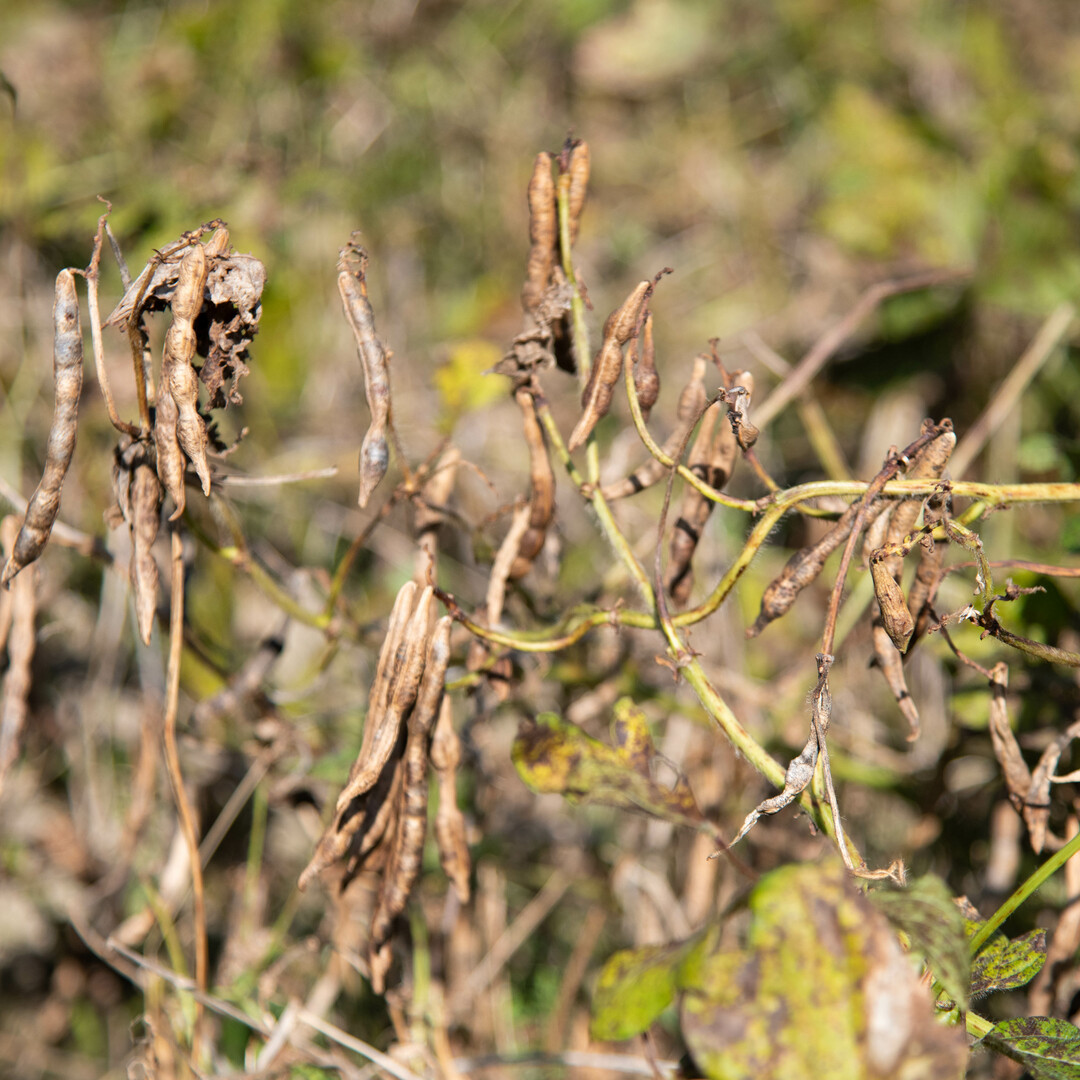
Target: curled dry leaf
point(21, 641)
point(691, 402)
point(449, 821)
point(541, 488)
point(67, 388)
point(375, 450)
point(621, 324)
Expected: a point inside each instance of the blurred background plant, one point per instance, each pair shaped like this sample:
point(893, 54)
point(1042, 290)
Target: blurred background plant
point(780, 157)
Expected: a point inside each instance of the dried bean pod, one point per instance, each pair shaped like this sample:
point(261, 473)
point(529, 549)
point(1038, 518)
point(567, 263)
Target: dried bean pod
point(691, 402)
point(178, 377)
point(21, 642)
point(170, 458)
point(67, 388)
point(646, 379)
point(146, 498)
point(375, 450)
point(434, 495)
point(449, 821)
point(895, 617)
point(543, 233)
point(579, 184)
point(408, 847)
point(803, 568)
point(364, 807)
point(596, 398)
point(542, 488)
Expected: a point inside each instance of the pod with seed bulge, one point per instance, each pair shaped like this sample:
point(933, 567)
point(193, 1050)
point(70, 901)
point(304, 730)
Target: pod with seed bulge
point(44, 504)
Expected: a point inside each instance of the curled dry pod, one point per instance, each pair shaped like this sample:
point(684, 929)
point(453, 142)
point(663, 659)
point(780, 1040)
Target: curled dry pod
point(178, 377)
point(895, 616)
point(449, 821)
point(739, 394)
point(375, 450)
point(646, 379)
point(67, 388)
point(542, 488)
point(146, 497)
point(406, 854)
point(596, 398)
point(543, 233)
point(891, 665)
point(691, 402)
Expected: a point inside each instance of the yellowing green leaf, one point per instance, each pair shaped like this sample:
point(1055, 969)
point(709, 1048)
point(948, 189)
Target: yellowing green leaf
point(462, 385)
point(553, 755)
point(1049, 1049)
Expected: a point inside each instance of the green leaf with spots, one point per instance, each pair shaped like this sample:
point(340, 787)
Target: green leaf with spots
point(822, 989)
point(636, 986)
point(927, 913)
point(1004, 965)
point(553, 755)
point(1049, 1049)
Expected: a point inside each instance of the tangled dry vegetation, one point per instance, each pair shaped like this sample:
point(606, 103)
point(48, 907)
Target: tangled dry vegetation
point(716, 927)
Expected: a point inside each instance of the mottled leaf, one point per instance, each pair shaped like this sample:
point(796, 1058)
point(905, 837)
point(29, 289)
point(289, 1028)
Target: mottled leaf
point(823, 989)
point(635, 987)
point(1049, 1049)
point(926, 912)
point(553, 755)
point(1004, 965)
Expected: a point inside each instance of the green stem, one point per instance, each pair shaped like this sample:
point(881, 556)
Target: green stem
point(1033, 883)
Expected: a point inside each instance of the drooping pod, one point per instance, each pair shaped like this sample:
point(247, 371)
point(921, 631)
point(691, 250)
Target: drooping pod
point(146, 498)
point(543, 233)
point(643, 357)
point(21, 611)
point(178, 377)
point(375, 449)
point(607, 367)
point(578, 171)
point(541, 489)
point(895, 617)
point(44, 504)
point(691, 402)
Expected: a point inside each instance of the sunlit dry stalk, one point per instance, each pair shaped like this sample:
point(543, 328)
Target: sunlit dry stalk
point(621, 324)
point(67, 382)
point(541, 488)
point(21, 642)
point(691, 402)
point(434, 495)
point(449, 821)
point(375, 450)
point(403, 866)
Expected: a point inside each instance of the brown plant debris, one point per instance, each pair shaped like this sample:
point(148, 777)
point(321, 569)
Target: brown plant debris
point(375, 450)
point(67, 382)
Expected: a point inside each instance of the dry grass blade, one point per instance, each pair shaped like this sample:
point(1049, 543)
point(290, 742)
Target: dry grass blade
point(67, 380)
point(375, 450)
